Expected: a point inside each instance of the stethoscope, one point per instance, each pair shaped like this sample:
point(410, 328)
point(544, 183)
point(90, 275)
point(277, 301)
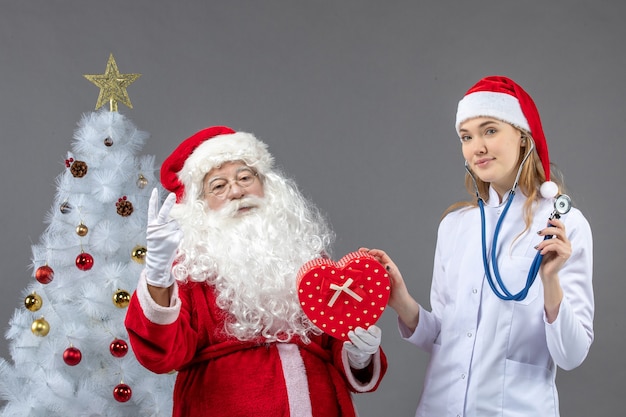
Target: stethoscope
point(562, 205)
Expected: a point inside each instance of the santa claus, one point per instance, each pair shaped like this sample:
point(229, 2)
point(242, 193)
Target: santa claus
point(217, 299)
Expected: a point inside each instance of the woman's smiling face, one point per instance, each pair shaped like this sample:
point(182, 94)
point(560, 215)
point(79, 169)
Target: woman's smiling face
point(492, 149)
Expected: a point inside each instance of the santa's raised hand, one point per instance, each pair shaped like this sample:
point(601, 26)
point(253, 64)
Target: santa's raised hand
point(163, 237)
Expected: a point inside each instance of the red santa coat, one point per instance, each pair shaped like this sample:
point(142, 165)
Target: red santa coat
point(221, 376)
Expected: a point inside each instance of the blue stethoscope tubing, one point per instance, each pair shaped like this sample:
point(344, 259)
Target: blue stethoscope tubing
point(500, 290)
point(505, 294)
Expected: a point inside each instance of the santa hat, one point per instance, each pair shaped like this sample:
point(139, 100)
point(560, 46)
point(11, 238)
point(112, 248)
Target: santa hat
point(207, 149)
point(503, 99)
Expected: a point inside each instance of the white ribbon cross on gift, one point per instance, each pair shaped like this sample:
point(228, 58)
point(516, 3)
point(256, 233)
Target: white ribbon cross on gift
point(343, 288)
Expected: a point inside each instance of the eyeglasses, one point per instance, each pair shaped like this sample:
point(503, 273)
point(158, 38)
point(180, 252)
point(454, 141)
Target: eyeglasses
point(219, 187)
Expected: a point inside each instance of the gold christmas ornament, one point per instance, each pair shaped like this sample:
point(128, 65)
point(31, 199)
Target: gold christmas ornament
point(40, 327)
point(112, 85)
point(142, 181)
point(82, 230)
point(121, 298)
point(139, 254)
point(33, 302)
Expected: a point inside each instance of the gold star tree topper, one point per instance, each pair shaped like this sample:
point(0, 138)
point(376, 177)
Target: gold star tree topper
point(112, 85)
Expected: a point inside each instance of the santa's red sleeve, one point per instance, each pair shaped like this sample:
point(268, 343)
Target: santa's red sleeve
point(161, 337)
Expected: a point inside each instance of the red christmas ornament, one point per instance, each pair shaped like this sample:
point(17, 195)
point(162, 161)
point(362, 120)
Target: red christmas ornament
point(44, 274)
point(118, 348)
point(84, 261)
point(72, 356)
point(122, 392)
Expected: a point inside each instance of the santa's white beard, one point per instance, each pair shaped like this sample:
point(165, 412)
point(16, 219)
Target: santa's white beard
point(252, 260)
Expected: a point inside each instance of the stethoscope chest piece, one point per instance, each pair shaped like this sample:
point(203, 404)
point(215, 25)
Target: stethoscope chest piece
point(562, 205)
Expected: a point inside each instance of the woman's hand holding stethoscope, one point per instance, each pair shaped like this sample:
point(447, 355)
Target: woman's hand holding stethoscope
point(555, 247)
point(556, 250)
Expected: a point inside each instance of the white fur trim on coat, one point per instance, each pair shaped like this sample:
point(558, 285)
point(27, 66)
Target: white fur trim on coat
point(154, 312)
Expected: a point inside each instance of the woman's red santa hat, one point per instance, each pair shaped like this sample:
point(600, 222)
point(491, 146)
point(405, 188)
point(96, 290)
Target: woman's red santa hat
point(209, 148)
point(503, 99)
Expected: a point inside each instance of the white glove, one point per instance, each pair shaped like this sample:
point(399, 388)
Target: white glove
point(162, 237)
point(362, 345)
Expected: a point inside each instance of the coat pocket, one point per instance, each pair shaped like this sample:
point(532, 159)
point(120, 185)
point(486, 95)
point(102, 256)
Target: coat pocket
point(529, 390)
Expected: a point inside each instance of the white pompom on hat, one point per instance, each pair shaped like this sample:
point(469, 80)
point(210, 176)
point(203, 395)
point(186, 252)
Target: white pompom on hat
point(503, 99)
point(207, 149)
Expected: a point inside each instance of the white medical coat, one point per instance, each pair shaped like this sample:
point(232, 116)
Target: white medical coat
point(491, 357)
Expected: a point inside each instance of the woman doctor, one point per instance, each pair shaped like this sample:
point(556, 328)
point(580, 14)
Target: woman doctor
point(495, 334)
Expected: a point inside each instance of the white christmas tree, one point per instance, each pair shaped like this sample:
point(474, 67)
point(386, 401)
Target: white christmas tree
point(70, 349)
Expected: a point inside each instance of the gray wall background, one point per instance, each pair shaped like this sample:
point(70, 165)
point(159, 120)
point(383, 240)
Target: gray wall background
point(356, 100)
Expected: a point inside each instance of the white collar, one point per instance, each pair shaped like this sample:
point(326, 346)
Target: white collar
point(494, 198)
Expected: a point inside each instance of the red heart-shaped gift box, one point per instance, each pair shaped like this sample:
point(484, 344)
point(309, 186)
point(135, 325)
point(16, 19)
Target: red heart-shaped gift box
point(339, 296)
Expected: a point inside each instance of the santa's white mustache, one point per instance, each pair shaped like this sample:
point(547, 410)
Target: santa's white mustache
point(232, 208)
